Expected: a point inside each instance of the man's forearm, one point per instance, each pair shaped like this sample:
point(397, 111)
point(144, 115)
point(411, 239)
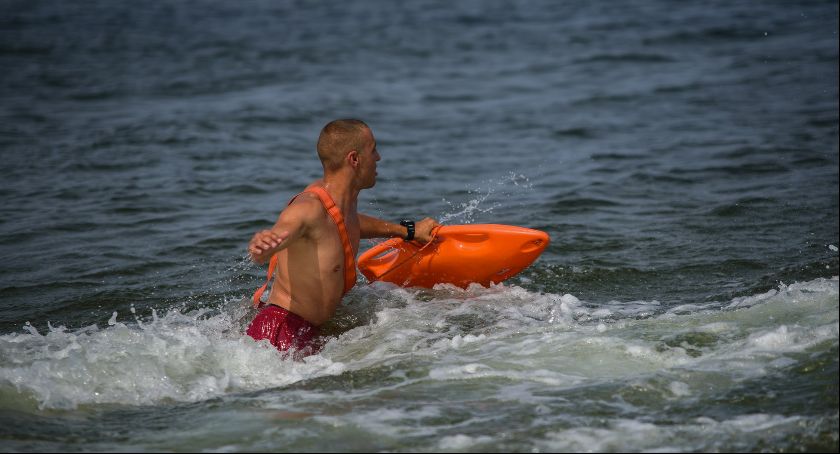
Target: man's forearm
point(371, 227)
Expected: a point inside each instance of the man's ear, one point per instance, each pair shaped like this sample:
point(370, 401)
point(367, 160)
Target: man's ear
point(353, 158)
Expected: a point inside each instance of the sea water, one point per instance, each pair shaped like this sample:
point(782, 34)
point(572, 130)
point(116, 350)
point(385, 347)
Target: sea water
point(683, 158)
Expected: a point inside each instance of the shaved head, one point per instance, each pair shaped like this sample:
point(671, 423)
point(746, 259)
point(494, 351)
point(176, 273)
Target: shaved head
point(338, 138)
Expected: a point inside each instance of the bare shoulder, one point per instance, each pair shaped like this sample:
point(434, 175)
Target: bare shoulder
point(307, 209)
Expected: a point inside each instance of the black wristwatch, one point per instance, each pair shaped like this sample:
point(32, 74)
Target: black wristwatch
point(408, 224)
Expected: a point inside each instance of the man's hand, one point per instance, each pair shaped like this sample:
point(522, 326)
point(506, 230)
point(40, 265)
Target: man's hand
point(423, 230)
point(264, 243)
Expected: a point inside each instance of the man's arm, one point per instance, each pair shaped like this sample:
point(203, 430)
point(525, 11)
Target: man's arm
point(292, 223)
point(372, 227)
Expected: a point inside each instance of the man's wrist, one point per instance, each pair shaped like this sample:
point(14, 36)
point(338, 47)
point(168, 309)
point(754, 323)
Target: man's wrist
point(409, 227)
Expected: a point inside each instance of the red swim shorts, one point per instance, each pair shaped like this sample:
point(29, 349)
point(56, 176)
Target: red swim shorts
point(286, 331)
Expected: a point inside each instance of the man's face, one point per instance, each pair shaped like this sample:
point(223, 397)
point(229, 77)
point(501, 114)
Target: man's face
point(368, 156)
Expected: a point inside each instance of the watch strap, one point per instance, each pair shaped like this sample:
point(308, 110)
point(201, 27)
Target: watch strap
point(409, 225)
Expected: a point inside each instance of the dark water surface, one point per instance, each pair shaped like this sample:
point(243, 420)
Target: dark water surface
point(683, 157)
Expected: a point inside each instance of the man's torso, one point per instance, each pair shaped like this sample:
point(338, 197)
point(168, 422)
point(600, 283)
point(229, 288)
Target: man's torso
point(310, 276)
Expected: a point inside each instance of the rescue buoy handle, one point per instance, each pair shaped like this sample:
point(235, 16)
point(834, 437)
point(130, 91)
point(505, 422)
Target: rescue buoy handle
point(419, 250)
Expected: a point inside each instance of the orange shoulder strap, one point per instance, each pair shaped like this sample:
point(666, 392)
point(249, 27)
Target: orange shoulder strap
point(349, 254)
point(338, 219)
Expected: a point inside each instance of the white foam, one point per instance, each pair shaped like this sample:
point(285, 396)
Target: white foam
point(701, 434)
point(181, 357)
point(748, 301)
point(558, 339)
point(617, 437)
point(460, 441)
point(760, 422)
point(386, 421)
point(679, 388)
point(451, 334)
point(779, 338)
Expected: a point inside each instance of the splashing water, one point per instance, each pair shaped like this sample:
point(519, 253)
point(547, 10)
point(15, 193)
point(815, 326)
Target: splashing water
point(487, 199)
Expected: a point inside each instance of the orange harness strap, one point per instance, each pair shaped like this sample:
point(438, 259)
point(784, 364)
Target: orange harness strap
point(258, 294)
point(349, 254)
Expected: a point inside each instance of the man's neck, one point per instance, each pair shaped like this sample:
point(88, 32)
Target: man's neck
point(341, 190)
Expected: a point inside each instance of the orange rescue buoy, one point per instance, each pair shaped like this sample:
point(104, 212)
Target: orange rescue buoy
point(459, 255)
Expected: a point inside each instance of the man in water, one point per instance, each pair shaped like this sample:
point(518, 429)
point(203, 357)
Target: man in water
point(314, 242)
